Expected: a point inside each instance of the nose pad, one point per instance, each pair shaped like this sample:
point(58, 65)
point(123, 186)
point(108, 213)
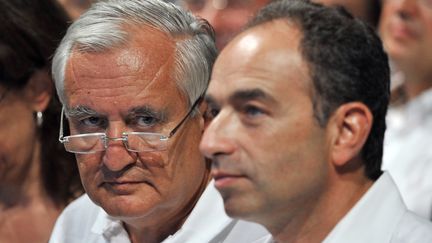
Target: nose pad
point(116, 156)
point(120, 141)
point(117, 140)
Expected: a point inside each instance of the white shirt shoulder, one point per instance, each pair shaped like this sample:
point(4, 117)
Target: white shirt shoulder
point(381, 216)
point(84, 221)
point(76, 221)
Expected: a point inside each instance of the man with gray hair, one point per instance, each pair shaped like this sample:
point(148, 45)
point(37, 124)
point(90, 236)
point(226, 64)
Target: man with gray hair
point(131, 75)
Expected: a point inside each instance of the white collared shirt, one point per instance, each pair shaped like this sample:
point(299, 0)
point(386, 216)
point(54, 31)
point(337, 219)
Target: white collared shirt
point(408, 152)
point(83, 221)
point(380, 216)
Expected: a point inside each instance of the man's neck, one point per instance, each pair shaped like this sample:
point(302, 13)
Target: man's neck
point(317, 219)
point(159, 229)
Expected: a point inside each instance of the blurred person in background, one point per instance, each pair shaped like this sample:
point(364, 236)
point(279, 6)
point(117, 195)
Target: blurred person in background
point(406, 30)
point(74, 8)
point(366, 10)
point(37, 177)
point(226, 16)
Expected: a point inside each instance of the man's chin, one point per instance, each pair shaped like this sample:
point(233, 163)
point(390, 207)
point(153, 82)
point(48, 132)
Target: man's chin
point(123, 212)
point(124, 206)
point(237, 205)
point(237, 210)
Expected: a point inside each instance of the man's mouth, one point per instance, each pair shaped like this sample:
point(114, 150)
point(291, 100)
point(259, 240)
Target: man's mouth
point(224, 179)
point(124, 187)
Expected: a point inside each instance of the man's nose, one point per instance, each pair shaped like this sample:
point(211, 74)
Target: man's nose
point(219, 136)
point(116, 156)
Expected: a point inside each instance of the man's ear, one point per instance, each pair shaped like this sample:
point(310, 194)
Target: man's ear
point(39, 89)
point(351, 123)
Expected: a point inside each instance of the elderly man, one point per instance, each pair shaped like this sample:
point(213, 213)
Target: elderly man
point(130, 75)
point(298, 103)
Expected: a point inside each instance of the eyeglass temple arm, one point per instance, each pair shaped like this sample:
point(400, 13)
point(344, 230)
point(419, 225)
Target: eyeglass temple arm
point(186, 116)
point(61, 126)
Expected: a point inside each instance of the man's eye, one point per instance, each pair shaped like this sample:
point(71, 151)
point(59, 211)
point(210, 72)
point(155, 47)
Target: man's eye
point(145, 121)
point(212, 112)
point(252, 111)
point(93, 121)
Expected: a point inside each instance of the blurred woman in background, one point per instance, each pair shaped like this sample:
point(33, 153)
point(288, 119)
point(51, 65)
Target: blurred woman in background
point(406, 30)
point(74, 8)
point(37, 177)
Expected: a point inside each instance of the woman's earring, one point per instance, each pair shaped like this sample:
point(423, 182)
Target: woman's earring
point(39, 118)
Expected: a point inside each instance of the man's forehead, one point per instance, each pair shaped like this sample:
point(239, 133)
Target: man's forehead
point(277, 34)
point(263, 42)
point(146, 49)
point(261, 56)
point(121, 83)
point(273, 36)
point(146, 54)
point(134, 71)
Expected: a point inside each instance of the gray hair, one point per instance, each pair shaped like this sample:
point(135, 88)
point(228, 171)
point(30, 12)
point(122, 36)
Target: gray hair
point(103, 28)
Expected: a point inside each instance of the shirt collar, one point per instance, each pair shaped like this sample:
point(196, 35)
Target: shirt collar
point(382, 203)
point(206, 221)
point(107, 226)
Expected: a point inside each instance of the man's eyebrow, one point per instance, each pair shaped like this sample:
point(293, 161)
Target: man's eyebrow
point(250, 94)
point(80, 111)
point(149, 111)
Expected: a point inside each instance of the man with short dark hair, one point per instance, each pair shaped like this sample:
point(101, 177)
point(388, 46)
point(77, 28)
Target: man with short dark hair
point(298, 102)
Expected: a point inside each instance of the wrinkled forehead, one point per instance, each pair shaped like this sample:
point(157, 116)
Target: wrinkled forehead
point(144, 46)
point(146, 60)
point(147, 52)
